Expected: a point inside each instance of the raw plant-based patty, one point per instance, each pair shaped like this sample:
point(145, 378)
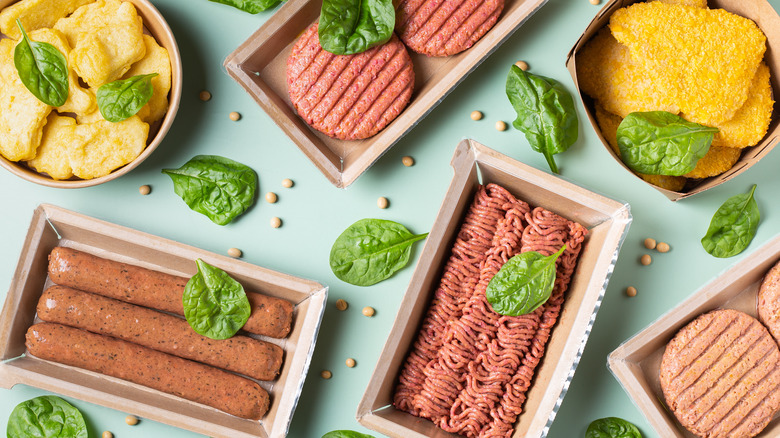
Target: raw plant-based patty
point(720, 375)
point(769, 301)
point(445, 27)
point(349, 97)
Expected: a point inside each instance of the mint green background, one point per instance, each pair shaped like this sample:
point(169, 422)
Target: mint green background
point(314, 213)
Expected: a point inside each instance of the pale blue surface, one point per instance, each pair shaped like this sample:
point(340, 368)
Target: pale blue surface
point(314, 213)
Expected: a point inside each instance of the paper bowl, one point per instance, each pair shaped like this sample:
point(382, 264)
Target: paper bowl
point(156, 25)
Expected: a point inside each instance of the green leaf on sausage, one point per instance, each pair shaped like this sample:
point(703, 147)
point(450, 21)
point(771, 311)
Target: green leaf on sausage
point(524, 283)
point(662, 143)
point(371, 250)
point(347, 27)
point(612, 427)
point(346, 434)
point(545, 113)
point(733, 226)
point(215, 304)
point(46, 416)
point(42, 69)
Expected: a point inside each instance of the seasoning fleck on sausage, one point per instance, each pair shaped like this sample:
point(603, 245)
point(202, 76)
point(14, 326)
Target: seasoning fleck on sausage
point(133, 284)
point(193, 381)
point(158, 331)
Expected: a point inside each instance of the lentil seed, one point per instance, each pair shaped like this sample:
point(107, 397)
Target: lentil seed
point(631, 291)
point(144, 189)
point(341, 304)
point(271, 197)
point(650, 243)
point(351, 362)
point(646, 259)
point(368, 311)
point(663, 247)
point(476, 115)
point(501, 125)
point(408, 161)
point(235, 252)
point(234, 116)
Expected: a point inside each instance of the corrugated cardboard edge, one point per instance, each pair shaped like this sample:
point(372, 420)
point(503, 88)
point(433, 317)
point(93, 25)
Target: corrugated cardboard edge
point(467, 153)
point(44, 215)
point(338, 175)
point(768, 20)
point(623, 361)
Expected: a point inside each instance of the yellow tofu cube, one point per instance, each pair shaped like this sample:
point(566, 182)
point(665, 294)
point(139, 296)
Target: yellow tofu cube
point(53, 153)
point(102, 146)
point(36, 14)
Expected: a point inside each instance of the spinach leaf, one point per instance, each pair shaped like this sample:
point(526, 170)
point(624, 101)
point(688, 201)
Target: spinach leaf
point(215, 304)
point(545, 113)
point(46, 416)
point(251, 6)
point(662, 143)
point(371, 250)
point(354, 26)
point(524, 283)
point(121, 99)
point(733, 226)
point(215, 186)
point(42, 69)
point(346, 434)
point(612, 427)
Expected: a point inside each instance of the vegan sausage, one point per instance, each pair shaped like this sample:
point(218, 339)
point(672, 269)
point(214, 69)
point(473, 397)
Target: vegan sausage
point(133, 284)
point(158, 331)
point(193, 381)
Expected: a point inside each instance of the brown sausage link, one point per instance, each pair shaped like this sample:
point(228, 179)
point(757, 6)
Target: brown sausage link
point(193, 381)
point(158, 331)
point(133, 284)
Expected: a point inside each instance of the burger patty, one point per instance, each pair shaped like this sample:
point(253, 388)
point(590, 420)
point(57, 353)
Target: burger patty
point(769, 301)
point(445, 27)
point(349, 97)
point(720, 375)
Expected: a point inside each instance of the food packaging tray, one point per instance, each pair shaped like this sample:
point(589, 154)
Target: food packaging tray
point(607, 221)
point(766, 18)
point(54, 226)
point(636, 363)
point(259, 66)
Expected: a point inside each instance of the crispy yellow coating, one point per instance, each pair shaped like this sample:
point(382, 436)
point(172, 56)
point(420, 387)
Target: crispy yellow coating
point(696, 3)
point(716, 161)
point(103, 146)
point(22, 115)
point(79, 99)
point(155, 61)
point(52, 156)
point(608, 124)
point(35, 14)
point(702, 59)
point(607, 73)
point(751, 122)
point(106, 39)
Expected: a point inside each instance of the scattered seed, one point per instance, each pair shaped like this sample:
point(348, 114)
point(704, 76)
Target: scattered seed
point(631, 291)
point(368, 311)
point(325, 374)
point(351, 362)
point(235, 252)
point(382, 202)
point(663, 247)
point(595, 2)
point(276, 222)
point(501, 125)
point(646, 259)
point(107, 434)
point(287, 183)
point(204, 96)
point(341, 304)
point(522, 65)
point(476, 115)
point(234, 116)
point(650, 243)
point(408, 161)
point(131, 420)
point(271, 197)
point(144, 190)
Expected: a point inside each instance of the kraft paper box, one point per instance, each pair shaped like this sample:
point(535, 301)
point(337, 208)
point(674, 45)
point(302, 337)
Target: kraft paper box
point(607, 221)
point(636, 363)
point(53, 226)
point(259, 66)
point(762, 13)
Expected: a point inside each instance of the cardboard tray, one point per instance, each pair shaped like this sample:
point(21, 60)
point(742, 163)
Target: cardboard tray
point(636, 363)
point(607, 221)
point(259, 66)
point(766, 18)
point(53, 226)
